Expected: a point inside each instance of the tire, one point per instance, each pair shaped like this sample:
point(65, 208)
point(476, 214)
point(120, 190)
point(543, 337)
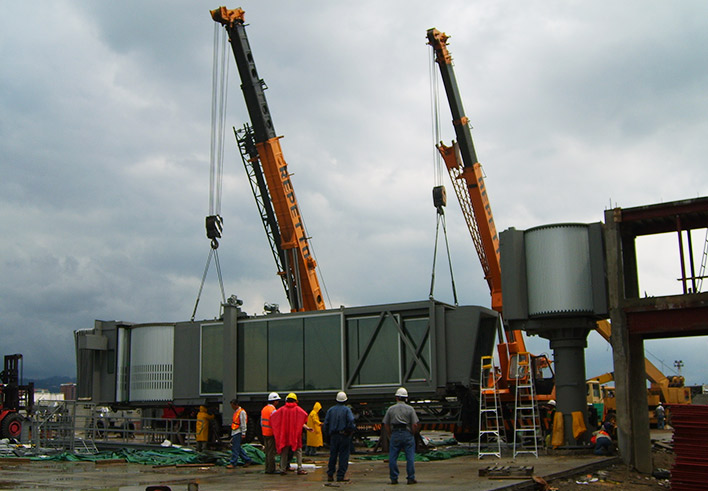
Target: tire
point(128, 430)
point(101, 429)
point(12, 426)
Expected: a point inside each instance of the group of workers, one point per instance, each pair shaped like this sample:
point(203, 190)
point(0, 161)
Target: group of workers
point(282, 428)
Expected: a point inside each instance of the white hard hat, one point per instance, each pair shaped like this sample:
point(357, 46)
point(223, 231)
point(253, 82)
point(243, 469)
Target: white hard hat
point(341, 396)
point(402, 392)
point(273, 396)
point(552, 402)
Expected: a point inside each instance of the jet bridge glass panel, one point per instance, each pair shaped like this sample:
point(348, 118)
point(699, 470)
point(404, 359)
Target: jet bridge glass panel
point(285, 354)
point(290, 353)
point(419, 335)
point(252, 356)
point(212, 359)
point(373, 349)
point(323, 354)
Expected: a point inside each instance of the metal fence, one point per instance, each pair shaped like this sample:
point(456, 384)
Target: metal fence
point(78, 427)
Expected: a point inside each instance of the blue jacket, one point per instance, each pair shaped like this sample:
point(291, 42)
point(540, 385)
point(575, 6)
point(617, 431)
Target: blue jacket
point(338, 419)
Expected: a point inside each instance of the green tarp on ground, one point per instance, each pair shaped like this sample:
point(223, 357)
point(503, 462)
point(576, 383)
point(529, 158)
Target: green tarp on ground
point(177, 456)
point(161, 456)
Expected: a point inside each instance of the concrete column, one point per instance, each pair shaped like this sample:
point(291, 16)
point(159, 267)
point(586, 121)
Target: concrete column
point(627, 351)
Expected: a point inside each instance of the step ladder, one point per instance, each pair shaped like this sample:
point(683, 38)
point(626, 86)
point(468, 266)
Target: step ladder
point(527, 424)
point(85, 446)
point(489, 406)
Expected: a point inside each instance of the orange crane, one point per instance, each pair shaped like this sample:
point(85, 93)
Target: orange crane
point(468, 181)
point(269, 171)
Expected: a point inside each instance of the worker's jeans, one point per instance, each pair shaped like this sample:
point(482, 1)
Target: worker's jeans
point(237, 451)
point(338, 450)
point(401, 440)
point(603, 446)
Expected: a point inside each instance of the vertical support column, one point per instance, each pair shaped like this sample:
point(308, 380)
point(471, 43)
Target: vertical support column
point(569, 359)
point(627, 351)
point(230, 357)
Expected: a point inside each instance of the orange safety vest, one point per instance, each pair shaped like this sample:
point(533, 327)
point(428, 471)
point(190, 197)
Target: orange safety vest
point(236, 421)
point(265, 420)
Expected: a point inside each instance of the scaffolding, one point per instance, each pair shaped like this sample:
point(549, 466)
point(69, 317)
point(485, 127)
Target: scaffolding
point(78, 427)
point(54, 427)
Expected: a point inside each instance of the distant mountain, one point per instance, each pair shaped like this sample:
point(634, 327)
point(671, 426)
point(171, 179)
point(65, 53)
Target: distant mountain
point(51, 384)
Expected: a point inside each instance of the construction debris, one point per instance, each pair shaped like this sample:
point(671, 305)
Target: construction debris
point(507, 471)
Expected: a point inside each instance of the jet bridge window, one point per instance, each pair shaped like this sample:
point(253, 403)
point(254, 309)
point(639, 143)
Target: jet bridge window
point(419, 336)
point(323, 355)
point(212, 359)
point(285, 354)
point(302, 353)
point(374, 354)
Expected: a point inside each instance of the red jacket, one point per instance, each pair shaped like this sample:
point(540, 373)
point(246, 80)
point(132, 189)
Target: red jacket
point(287, 425)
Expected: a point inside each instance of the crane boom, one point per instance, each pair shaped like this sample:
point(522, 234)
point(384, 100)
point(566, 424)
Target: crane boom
point(466, 174)
point(298, 264)
point(468, 181)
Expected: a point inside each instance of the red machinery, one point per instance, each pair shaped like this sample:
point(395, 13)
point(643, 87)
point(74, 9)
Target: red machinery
point(14, 397)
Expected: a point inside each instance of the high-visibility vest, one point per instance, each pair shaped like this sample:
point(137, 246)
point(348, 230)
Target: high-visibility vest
point(236, 421)
point(265, 420)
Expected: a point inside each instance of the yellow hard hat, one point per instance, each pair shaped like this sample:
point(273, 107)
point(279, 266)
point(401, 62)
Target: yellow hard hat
point(292, 396)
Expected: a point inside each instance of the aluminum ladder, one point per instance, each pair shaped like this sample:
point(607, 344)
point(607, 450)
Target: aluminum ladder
point(489, 419)
point(527, 424)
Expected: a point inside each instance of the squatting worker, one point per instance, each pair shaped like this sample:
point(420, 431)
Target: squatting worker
point(287, 423)
point(339, 425)
point(401, 424)
point(202, 429)
point(267, 431)
point(239, 426)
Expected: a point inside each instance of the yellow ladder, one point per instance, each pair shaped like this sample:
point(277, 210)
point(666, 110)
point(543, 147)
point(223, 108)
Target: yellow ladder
point(527, 424)
point(489, 406)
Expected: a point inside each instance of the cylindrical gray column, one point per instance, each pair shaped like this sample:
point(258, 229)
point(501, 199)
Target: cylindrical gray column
point(569, 358)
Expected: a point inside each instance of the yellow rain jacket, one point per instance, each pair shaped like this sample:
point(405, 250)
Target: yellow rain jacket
point(314, 438)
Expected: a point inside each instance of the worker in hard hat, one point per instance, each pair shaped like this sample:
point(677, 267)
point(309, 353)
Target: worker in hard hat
point(267, 432)
point(239, 423)
point(204, 417)
point(287, 423)
point(339, 426)
point(547, 413)
point(401, 425)
point(314, 437)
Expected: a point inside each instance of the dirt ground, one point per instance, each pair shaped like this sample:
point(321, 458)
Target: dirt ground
point(620, 476)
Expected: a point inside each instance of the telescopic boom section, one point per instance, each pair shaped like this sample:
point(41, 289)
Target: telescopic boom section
point(468, 180)
point(300, 266)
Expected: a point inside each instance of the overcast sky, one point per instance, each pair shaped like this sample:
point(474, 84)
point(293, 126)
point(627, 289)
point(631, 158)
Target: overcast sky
point(576, 107)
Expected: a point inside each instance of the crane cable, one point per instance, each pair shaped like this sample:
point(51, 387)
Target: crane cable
point(219, 92)
point(439, 197)
point(319, 268)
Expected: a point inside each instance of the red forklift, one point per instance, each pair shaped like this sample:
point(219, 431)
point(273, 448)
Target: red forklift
point(15, 398)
